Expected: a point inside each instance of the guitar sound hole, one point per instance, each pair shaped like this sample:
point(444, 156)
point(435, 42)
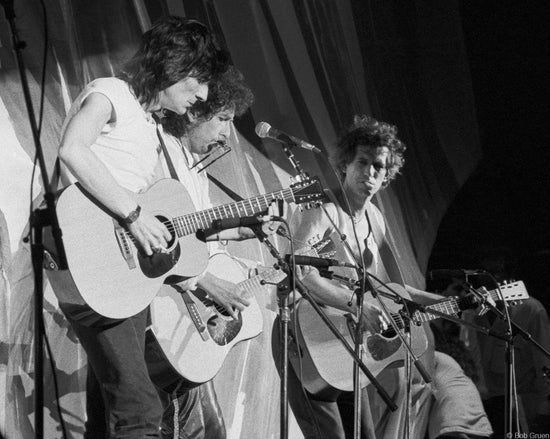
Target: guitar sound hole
point(388, 333)
point(160, 263)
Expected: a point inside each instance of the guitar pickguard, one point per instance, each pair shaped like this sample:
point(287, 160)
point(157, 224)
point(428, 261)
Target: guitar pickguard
point(223, 331)
point(221, 327)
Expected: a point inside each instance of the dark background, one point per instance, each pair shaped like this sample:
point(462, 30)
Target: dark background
point(505, 203)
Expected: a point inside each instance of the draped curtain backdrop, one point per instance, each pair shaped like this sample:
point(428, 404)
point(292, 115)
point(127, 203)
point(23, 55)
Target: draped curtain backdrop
point(312, 65)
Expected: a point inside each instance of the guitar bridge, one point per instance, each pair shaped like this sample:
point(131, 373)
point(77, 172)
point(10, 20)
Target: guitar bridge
point(123, 240)
point(194, 313)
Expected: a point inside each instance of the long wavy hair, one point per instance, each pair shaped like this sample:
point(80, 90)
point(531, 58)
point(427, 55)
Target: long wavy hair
point(224, 92)
point(173, 49)
point(369, 132)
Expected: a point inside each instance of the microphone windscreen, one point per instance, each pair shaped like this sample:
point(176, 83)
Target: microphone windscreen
point(262, 129)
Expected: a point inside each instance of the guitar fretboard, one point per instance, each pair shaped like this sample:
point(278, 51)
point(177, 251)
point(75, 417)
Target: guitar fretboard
point(191, 222)
point(268, 277)
point(271, 276)
point(448, 307)
point(452, 306)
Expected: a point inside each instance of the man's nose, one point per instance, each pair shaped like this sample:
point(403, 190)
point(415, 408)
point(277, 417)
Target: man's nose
point(226, 130)
point(202, 92)
point(370, 170)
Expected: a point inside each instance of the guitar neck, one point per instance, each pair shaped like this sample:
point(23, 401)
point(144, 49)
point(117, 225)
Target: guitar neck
point(452, 306)
point(268, 277)
point(447, 307)
point(190, 223)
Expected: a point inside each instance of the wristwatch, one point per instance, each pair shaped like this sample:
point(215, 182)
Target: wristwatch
point(132, 216)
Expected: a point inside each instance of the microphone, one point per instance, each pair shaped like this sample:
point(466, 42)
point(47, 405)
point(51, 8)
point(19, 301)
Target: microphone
point(263, 130)
point(317, 262)
point(448, 274)
point(245, 221)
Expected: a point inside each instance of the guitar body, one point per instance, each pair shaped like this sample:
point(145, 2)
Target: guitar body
point(112, 276)
point(326, 368)
point(194, 335)
point(116, 280)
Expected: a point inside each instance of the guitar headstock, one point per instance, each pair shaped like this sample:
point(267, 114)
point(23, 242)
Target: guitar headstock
point(308, 192)
point(513, 293)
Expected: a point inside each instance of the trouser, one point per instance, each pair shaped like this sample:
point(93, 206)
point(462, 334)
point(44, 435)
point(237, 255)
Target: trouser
point(191, 411)
point(121, 400)
point(193, 414)
point(317, 419)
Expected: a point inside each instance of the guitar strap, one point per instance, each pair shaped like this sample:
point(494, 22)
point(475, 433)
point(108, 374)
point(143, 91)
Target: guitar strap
point(169, 162)
point(233, 195)
point(392, 268)
point(386, 252)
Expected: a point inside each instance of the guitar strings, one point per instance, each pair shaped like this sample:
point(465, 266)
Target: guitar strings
point(195, 218)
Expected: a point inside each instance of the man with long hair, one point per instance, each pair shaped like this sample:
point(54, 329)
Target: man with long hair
point(110, 146)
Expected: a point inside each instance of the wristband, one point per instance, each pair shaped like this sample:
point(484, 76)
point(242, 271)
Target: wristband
point(132, 216)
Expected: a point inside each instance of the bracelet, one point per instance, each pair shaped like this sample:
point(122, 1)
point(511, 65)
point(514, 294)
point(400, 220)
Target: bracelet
point(132, 216)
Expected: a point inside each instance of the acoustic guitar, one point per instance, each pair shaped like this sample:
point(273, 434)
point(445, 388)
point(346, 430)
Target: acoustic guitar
point(194, 333)
point(112, 275)
point(326, 368)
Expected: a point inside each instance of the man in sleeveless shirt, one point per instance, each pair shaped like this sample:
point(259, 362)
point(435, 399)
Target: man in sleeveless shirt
point(368, 157)
point(109, 145)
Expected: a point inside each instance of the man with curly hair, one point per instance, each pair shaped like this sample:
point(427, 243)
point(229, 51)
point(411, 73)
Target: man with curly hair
point(110, 146)
point(195, 413)
point(367, 158)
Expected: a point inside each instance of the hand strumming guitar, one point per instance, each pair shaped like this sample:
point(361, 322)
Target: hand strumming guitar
point(151, 235)
point(225, 293)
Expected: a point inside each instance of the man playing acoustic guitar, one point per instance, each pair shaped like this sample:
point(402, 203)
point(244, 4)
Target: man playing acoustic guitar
point(110, 147)
point(194, 412)
point(368, 156)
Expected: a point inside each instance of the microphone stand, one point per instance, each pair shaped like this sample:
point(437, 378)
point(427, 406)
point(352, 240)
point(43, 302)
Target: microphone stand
point(359, 294)
point(512, 330)
point(355, 353)
point(293, 160)
point(284, 313)
point(283, 291)
point(366, 282)
point(40, 218)
point(510, 409)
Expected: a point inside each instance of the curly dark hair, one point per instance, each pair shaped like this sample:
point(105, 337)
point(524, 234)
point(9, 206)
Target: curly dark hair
point(229, 90)
point(173, 49)
point(367, 131)
point(225, 91)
